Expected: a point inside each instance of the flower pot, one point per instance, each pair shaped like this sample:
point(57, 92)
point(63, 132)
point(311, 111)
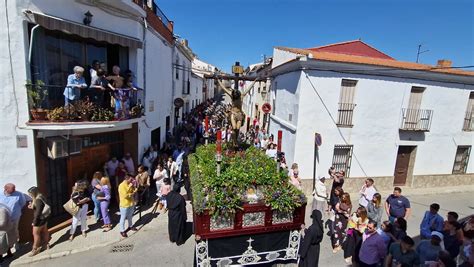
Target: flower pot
point(39, 114)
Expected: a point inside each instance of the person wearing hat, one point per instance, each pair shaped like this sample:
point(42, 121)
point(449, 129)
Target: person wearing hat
point(428, 249)
point(309, 251)
point(320, 195)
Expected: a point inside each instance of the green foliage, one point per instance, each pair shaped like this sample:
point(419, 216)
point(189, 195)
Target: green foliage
point(37, 94)
point(84, 109)
point(66, 113)
point(102, 114)
point(222, 195)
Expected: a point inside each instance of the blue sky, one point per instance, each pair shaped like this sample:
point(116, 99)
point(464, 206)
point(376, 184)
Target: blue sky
point(222, 32)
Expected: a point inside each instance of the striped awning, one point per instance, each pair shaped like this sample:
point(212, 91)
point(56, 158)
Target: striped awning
point(70, 27)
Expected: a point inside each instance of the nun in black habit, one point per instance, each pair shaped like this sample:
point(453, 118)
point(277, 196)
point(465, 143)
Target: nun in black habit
point(176, 216)
point(309, 250)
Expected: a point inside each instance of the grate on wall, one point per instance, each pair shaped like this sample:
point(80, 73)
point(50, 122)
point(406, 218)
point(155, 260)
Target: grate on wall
point(121, 248)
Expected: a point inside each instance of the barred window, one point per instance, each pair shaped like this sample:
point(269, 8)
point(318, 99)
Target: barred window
point(342, 157)
point(461, 160)
point(346, 103)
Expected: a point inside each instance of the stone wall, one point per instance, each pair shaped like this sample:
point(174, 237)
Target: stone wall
point(385, 183)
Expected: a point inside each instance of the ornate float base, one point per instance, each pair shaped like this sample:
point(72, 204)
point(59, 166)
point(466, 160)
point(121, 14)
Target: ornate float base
point(253, 219)
point(275, 247)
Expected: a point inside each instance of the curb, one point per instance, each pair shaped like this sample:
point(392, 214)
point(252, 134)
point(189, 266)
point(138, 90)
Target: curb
point(61, 254)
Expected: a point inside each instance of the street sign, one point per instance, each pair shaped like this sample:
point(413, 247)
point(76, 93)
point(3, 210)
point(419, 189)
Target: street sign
point(178, 102)
point(266, 108)
point(318, 139)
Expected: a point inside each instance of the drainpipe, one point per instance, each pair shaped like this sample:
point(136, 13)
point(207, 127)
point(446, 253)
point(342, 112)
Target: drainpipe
point(145, 26)
point(30, 50)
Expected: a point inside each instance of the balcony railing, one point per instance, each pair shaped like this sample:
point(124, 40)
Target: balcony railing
point(416, 119)
point(345, 112)
point(468, 121)
point(47, 104)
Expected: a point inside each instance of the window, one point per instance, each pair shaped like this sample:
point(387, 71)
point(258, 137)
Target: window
point(54, 55)
point(346, 103)
point(416, 95)
point(469, 118)
point(342, 157)
point(461, 160)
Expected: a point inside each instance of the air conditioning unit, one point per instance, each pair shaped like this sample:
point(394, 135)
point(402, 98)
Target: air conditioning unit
point(59, 147)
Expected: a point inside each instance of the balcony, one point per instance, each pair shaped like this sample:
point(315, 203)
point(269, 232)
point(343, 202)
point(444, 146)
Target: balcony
point(344, 113)
point(416, 120)
point(468, 122)
point(48, 109)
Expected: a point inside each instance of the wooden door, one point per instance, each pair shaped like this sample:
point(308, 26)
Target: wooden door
point(401, 166)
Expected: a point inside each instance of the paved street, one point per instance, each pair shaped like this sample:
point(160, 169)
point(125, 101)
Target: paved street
point(151, 246)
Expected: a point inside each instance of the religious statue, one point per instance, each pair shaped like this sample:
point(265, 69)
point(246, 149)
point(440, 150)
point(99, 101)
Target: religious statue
point(236, 116)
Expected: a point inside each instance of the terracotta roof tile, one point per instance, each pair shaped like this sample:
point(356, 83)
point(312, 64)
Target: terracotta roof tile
point(355, 47)
point(344, 58)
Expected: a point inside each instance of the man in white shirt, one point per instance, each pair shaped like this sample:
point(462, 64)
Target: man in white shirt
point(320, 195)
point(367, 192)
point(128, 161)
point(111, 167)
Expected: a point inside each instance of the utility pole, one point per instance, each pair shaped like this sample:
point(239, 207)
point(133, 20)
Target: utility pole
point(420, 52)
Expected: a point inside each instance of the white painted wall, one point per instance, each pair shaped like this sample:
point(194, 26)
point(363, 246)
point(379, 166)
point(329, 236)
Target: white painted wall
point(17, 165)
point(376, 120)
point(159, 77)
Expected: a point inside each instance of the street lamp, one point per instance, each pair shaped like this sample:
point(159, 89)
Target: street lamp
point(88, 18)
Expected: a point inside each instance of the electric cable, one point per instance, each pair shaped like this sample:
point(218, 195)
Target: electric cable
point(11, 68)
point(335, 123)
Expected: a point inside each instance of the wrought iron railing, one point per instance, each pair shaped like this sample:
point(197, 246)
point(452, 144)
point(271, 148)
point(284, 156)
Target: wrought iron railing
point(468, 121)
point(47, 104)
point(344, 113)
point(416, 119)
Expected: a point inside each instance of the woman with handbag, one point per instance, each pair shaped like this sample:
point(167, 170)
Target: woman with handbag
point(80, 196)
point(95, 183)
point(40, 218)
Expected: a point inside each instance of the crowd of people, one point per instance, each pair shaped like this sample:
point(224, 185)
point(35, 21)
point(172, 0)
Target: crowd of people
point(114, 91)
point(367, 240)
point(356, 229)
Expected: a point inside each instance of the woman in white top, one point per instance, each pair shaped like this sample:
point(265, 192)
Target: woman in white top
point(159, 175)
point(320, 195)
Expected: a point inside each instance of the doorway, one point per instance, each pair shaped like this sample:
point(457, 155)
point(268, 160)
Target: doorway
point(404, 164)
point(156, 138)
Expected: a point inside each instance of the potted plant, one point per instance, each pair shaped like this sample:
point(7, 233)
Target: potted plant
point(84, 109)
point(37, 95)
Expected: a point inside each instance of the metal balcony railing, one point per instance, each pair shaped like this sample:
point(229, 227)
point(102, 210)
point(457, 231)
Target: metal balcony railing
point(344, 113)
point(47, 104)
point(416, 119)
point(468, 121)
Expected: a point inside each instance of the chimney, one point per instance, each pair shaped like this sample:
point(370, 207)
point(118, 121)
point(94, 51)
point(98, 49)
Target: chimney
point(444, 63)
point(184, 42)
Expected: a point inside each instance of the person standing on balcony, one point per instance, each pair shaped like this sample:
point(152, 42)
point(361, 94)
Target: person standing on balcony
point(117, 82)
point(99, 84)
point(75, 82)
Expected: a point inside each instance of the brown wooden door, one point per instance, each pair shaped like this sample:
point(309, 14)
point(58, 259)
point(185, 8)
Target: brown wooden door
point(401, 166)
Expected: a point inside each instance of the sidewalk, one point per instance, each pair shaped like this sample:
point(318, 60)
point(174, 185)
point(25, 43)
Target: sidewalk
point(96, 238)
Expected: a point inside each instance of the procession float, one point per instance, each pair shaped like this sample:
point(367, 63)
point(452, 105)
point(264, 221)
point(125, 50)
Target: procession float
point(245, 210)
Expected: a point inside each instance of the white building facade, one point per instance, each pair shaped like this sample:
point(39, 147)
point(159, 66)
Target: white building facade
point(400, 123)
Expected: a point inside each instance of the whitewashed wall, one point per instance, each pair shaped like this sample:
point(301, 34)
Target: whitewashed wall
point(159, 77)
point(17, 165)
point(376, 120)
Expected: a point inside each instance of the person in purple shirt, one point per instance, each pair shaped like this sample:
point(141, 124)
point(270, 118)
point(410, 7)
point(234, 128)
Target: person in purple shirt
point(432, 221)
point(397, 206)
point(373, 250)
